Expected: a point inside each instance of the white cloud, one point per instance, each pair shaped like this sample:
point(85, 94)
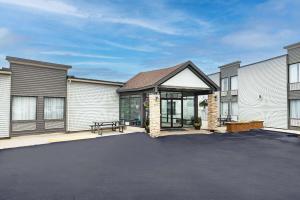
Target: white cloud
point(129, 47)
point(161, 20)
point(255, 39)
point(6, 37)
point(52, 6)
point(76, 54)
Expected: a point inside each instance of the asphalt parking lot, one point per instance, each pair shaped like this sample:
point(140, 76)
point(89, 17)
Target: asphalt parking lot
point(253, 165)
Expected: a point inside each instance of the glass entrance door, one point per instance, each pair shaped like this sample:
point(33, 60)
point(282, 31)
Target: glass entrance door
point(176, 113)
point(166, 113)
point(171, 113)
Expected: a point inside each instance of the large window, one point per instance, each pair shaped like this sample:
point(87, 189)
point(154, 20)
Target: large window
point(295, 109)
point(234, 83)
point(224, 109)
point(24, 108)
point(234, 111)
point(295, 73)
point(54, 108)
point(224, 84)
point(130, 108)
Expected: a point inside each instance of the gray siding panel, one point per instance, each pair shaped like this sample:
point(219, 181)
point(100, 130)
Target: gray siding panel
point(294, 55)
point(39, 82)
point(229, 71)
point(294, 94)
point(269, 80)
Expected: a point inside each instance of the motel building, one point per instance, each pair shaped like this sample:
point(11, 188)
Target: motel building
point(40, 97)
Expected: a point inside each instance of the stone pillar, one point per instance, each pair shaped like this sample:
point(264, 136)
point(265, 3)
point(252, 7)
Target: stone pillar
point(212, 116)
point(154, 114)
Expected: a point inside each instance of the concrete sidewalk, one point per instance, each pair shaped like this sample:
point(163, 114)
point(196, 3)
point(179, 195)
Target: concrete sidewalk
point(32, 140)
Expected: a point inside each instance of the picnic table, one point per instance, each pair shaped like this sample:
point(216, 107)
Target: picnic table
point(113, 125)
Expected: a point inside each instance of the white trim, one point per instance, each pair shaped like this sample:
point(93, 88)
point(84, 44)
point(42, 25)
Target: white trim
point(5, 72)
point(95, 81)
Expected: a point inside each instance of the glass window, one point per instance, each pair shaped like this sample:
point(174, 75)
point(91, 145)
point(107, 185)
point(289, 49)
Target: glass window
point(24, 108)
point(234, 111)
point(188, 111)
point(54, 108)
point(130, 108)
point(224, 84)
point(234, 83)
point(294, 73)
point(135, 108)
point(125, 110)
point(295, 109)
point(224, 109)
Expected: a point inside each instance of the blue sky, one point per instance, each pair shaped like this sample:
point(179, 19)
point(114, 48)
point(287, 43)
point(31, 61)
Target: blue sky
point(113, 40)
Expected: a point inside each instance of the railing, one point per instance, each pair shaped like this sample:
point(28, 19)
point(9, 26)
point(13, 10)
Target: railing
point(224, 93)
point(295, 86)
point(234, 92)
point(295, 122)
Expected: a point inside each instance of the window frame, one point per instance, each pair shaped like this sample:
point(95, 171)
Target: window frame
point(297, 65)
point(290, 111)
point(237, 86)
point(222, 85)
point(222, 103)
point(23, 120)
point(64, 109)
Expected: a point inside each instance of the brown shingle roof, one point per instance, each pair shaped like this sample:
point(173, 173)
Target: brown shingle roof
point(149, 78)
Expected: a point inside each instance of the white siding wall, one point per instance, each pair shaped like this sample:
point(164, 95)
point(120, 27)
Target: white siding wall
point(185, 78)
point(203, 113)
point(88, 102)
point(5, 85)
point(268, 79)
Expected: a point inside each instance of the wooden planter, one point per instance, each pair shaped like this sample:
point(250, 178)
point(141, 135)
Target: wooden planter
point(257, 124)
point(243, 126)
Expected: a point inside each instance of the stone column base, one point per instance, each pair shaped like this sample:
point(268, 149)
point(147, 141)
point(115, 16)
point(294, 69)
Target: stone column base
point(212, 116)
point(154, 115)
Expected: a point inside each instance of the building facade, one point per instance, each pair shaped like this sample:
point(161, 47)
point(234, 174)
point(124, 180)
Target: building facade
point(267, 90)
point(40, 97)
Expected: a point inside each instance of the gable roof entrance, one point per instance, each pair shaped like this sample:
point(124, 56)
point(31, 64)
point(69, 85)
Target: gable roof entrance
point(182, 76)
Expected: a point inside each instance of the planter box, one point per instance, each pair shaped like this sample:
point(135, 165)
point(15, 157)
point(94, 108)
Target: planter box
point(243, 126)
point(257, 124)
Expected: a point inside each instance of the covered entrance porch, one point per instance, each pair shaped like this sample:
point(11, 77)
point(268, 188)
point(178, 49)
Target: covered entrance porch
point(167, 98)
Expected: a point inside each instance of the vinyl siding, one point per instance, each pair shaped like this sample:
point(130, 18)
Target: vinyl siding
point(268, 79)
point(38, 82)
point(294, 55)
point(89, 102)
point(5, 81)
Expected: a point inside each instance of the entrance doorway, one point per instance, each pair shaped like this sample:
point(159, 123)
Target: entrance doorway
point(171, 113)
point(177, 109)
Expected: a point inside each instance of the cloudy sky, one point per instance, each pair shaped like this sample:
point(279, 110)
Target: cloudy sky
point(114, 40)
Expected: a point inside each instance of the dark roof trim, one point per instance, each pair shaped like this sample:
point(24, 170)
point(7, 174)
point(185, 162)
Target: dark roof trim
point(37, 63)
point(231, 64)
point(291, 46)
point(86, 80)
point(263, 61)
